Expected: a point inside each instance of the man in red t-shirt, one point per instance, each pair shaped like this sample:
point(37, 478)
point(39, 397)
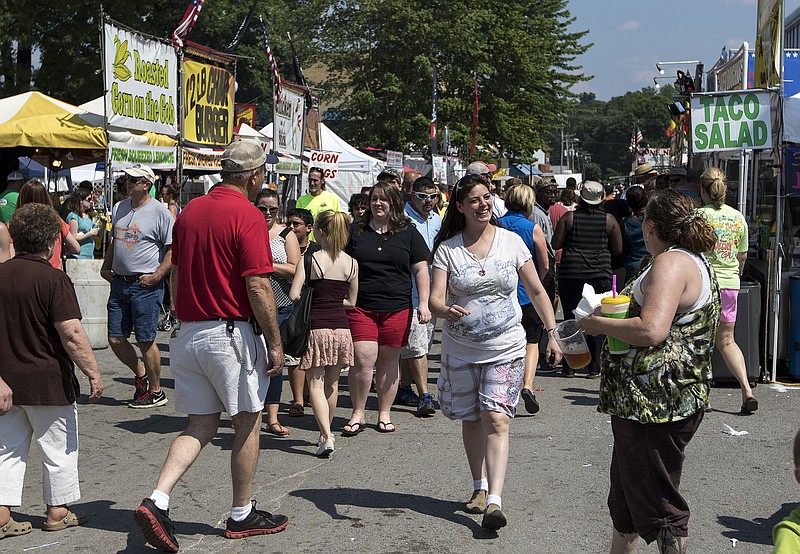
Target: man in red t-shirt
point(222, 263)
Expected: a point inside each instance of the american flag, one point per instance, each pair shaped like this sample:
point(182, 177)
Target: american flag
point(187, 22)
point(272, 62)
point(636, 138)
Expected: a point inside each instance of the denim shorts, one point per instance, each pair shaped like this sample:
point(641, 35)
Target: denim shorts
point(134, 307)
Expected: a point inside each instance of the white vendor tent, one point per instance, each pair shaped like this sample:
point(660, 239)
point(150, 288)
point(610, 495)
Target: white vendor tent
point(355, 169)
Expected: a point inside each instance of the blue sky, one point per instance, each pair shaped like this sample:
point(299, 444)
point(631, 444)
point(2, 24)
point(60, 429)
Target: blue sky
point(630, 36)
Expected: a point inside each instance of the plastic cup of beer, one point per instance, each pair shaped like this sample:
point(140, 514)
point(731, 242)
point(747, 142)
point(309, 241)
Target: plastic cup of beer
point(572, 342)
point(616, 307)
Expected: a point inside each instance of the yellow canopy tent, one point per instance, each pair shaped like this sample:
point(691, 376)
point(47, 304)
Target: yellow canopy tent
point(35, 120)
point(56, 130)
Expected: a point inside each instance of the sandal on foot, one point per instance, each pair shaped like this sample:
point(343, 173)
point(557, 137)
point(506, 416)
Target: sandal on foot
point(277, 429)
point(749, 406)
point(296, 410)
point(15, 528)
point(385, 427)
point(70, 520)
point(352, 429)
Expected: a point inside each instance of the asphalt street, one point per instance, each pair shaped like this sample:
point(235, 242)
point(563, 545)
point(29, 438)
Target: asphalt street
point(404, 492)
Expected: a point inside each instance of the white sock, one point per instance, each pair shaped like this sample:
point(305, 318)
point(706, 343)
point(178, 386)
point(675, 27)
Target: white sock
point(238, 514)
point(480, 485)
point(160, 499)
point(494, 499)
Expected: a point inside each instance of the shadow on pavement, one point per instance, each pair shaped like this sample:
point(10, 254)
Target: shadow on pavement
point(102, 515)
point(390, 504)
point(757, 531)
point(588, 396)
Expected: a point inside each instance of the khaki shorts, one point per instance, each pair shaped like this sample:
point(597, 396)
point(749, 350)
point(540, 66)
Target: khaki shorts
point(420, 338)
point(216, 371)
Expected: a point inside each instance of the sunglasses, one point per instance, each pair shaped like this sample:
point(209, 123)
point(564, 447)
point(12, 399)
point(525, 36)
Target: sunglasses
point(297, 223)
point(270, 209)
point(424, 196)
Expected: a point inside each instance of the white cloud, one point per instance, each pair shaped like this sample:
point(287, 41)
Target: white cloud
point(631, 25)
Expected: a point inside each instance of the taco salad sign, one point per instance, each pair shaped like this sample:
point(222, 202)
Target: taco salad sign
point(140, 82)
point(732, 121)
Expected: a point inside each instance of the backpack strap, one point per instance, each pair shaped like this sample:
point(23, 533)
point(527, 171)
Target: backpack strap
point(307, 265)
point(283, 234)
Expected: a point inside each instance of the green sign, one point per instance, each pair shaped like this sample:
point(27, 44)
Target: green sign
point(733, 121)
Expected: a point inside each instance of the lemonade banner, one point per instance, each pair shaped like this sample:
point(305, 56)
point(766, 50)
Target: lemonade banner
point(733, 121)
point(123, 154)
point(140, 77)
point(208, 93)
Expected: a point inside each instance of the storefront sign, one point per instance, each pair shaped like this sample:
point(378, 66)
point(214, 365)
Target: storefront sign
point(246, 113)
point(731, 122)
point(208, 104)
point(122, 154)
point(203, 159)
point(288, 123)
point(328, 162)
point(140, 78)
point(733, 75)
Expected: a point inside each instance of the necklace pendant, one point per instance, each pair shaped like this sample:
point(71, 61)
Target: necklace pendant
point(380, 248)
point(481, 273)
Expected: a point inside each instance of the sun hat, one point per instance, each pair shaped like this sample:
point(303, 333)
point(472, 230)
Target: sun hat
point(592, 192)
point(139, 170)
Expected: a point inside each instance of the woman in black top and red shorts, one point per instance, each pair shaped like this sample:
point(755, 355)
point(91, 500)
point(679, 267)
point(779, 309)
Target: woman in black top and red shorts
point(390, 252)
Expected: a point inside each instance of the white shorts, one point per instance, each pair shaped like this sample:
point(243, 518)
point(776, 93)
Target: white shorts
point(419, 339)
point(216, 371)
point(56, 432)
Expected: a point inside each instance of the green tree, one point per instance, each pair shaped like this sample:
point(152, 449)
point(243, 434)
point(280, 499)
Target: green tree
point(604, 128)
point(381, 69)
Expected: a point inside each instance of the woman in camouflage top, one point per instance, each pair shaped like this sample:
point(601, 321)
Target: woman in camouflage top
point(657, 392)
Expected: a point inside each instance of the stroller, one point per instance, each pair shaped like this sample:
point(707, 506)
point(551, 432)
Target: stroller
point(167, 320)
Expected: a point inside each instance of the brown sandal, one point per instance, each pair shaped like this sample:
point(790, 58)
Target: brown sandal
point(296, 410)
point(15, 528)
point(70, 520)
point(277, 429)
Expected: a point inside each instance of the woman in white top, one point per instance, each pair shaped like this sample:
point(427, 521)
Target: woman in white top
point(476, 269)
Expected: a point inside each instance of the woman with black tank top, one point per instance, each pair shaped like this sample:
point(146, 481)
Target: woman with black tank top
point(589, 238)
point(334, 279)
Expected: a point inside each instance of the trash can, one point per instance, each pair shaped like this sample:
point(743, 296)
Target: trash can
point(794, 326)
point(92, 292)
point(746, 334)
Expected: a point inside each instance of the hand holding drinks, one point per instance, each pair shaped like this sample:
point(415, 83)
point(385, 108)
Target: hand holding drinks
point(572, 342)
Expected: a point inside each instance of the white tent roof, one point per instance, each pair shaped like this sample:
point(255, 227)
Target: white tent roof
point(352, 159)
point(355, 169)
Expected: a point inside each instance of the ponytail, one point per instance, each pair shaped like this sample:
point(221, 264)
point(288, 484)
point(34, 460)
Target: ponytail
point(337, 228)
point(712, 182)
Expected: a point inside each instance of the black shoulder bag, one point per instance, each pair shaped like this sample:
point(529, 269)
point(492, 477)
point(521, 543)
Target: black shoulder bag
point(296, 328)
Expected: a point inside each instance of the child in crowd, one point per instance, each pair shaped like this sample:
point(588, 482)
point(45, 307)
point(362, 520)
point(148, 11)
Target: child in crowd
point(786, 534)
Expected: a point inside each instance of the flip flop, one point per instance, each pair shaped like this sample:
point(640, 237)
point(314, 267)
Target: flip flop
point(15, 528)
point(70, 520)
point(385, 427)
point(277, 429)
point(296, 410)
point(750, 405)
point(354, 428)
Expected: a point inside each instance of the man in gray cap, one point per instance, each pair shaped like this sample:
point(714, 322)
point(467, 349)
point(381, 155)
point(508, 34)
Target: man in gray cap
point(136, 262)
point(8, 198)
point(224, 298)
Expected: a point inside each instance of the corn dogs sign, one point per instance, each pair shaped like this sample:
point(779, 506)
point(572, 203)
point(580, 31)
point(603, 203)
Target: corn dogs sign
point(733, 121)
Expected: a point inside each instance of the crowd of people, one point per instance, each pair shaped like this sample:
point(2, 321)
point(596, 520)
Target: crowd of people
point(492, 265)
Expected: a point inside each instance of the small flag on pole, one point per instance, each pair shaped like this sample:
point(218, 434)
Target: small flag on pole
point(276, 74)
point(187, 22)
